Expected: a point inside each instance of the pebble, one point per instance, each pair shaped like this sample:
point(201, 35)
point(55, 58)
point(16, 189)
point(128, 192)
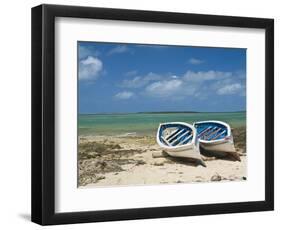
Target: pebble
point(199, 179)
point(100, 177)
point(140, 162)
point(158, 154)
point(158, 164)
point(232, 178)
point(216, 177)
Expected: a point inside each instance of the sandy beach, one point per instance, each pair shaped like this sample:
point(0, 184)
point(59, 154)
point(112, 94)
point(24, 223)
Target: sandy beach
point(138, 160)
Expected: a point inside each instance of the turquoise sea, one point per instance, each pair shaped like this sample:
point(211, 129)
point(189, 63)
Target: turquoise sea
point(147, 123)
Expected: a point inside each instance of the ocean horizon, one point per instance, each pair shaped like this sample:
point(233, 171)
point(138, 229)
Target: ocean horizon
point(146, 123)
point(157, 112)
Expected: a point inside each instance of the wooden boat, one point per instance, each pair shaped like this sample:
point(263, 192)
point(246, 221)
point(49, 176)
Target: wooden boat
point(215, 138)
point(177, 139)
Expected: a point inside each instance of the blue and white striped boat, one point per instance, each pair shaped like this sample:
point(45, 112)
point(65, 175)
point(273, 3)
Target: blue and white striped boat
point(215, 137)
point(178, 140)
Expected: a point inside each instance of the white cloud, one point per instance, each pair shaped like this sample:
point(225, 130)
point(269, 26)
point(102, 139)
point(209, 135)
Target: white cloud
point(119, 49)
point(90, 68)
point(195, 61)
point(230, 89)
point(201, 76)
point(140, 81)
point(164, 88)
point(235, 84)
point(136, 82)
point(124, 95)
point(199, 85)
point(192, 85)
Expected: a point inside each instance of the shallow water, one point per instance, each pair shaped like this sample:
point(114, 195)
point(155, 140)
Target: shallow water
point(147, 123)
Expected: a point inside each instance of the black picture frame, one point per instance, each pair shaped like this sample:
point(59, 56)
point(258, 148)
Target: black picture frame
point(43, 114)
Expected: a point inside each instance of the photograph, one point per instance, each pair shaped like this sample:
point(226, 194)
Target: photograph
point(153, 114)
point(142, 113)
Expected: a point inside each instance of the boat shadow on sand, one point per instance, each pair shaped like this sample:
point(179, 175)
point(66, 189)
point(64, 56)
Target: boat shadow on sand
point(231, 156)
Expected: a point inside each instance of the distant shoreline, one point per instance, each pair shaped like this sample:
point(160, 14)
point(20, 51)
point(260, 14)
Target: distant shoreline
point(161, 112)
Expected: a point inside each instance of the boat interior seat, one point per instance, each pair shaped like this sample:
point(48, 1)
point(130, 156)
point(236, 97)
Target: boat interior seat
point(204, 131)
point(208, 133)
point(177, 137)
point(213, 134)
point(186, 140)
point(218, 135)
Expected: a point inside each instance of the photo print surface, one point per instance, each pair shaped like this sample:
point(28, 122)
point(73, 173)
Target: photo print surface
point(160, 114)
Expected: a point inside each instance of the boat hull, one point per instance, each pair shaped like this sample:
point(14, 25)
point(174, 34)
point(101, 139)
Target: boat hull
point(219, 146)
point(220, 150)
point(219, 143)
point(191, 153)
point(187, 150)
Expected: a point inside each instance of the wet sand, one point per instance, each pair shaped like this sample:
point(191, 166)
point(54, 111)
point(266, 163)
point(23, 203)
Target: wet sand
point(138, 160)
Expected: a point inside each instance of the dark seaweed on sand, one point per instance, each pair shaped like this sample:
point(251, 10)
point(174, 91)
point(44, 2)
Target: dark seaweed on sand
point(239, 136)
point(98, 158)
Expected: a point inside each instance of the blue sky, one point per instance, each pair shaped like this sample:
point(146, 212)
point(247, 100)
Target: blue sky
point(127, 78)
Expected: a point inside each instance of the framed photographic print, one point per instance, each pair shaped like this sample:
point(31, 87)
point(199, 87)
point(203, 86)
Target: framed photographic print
point(142, 114)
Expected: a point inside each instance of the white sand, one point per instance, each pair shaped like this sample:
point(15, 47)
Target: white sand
point(163, 169)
